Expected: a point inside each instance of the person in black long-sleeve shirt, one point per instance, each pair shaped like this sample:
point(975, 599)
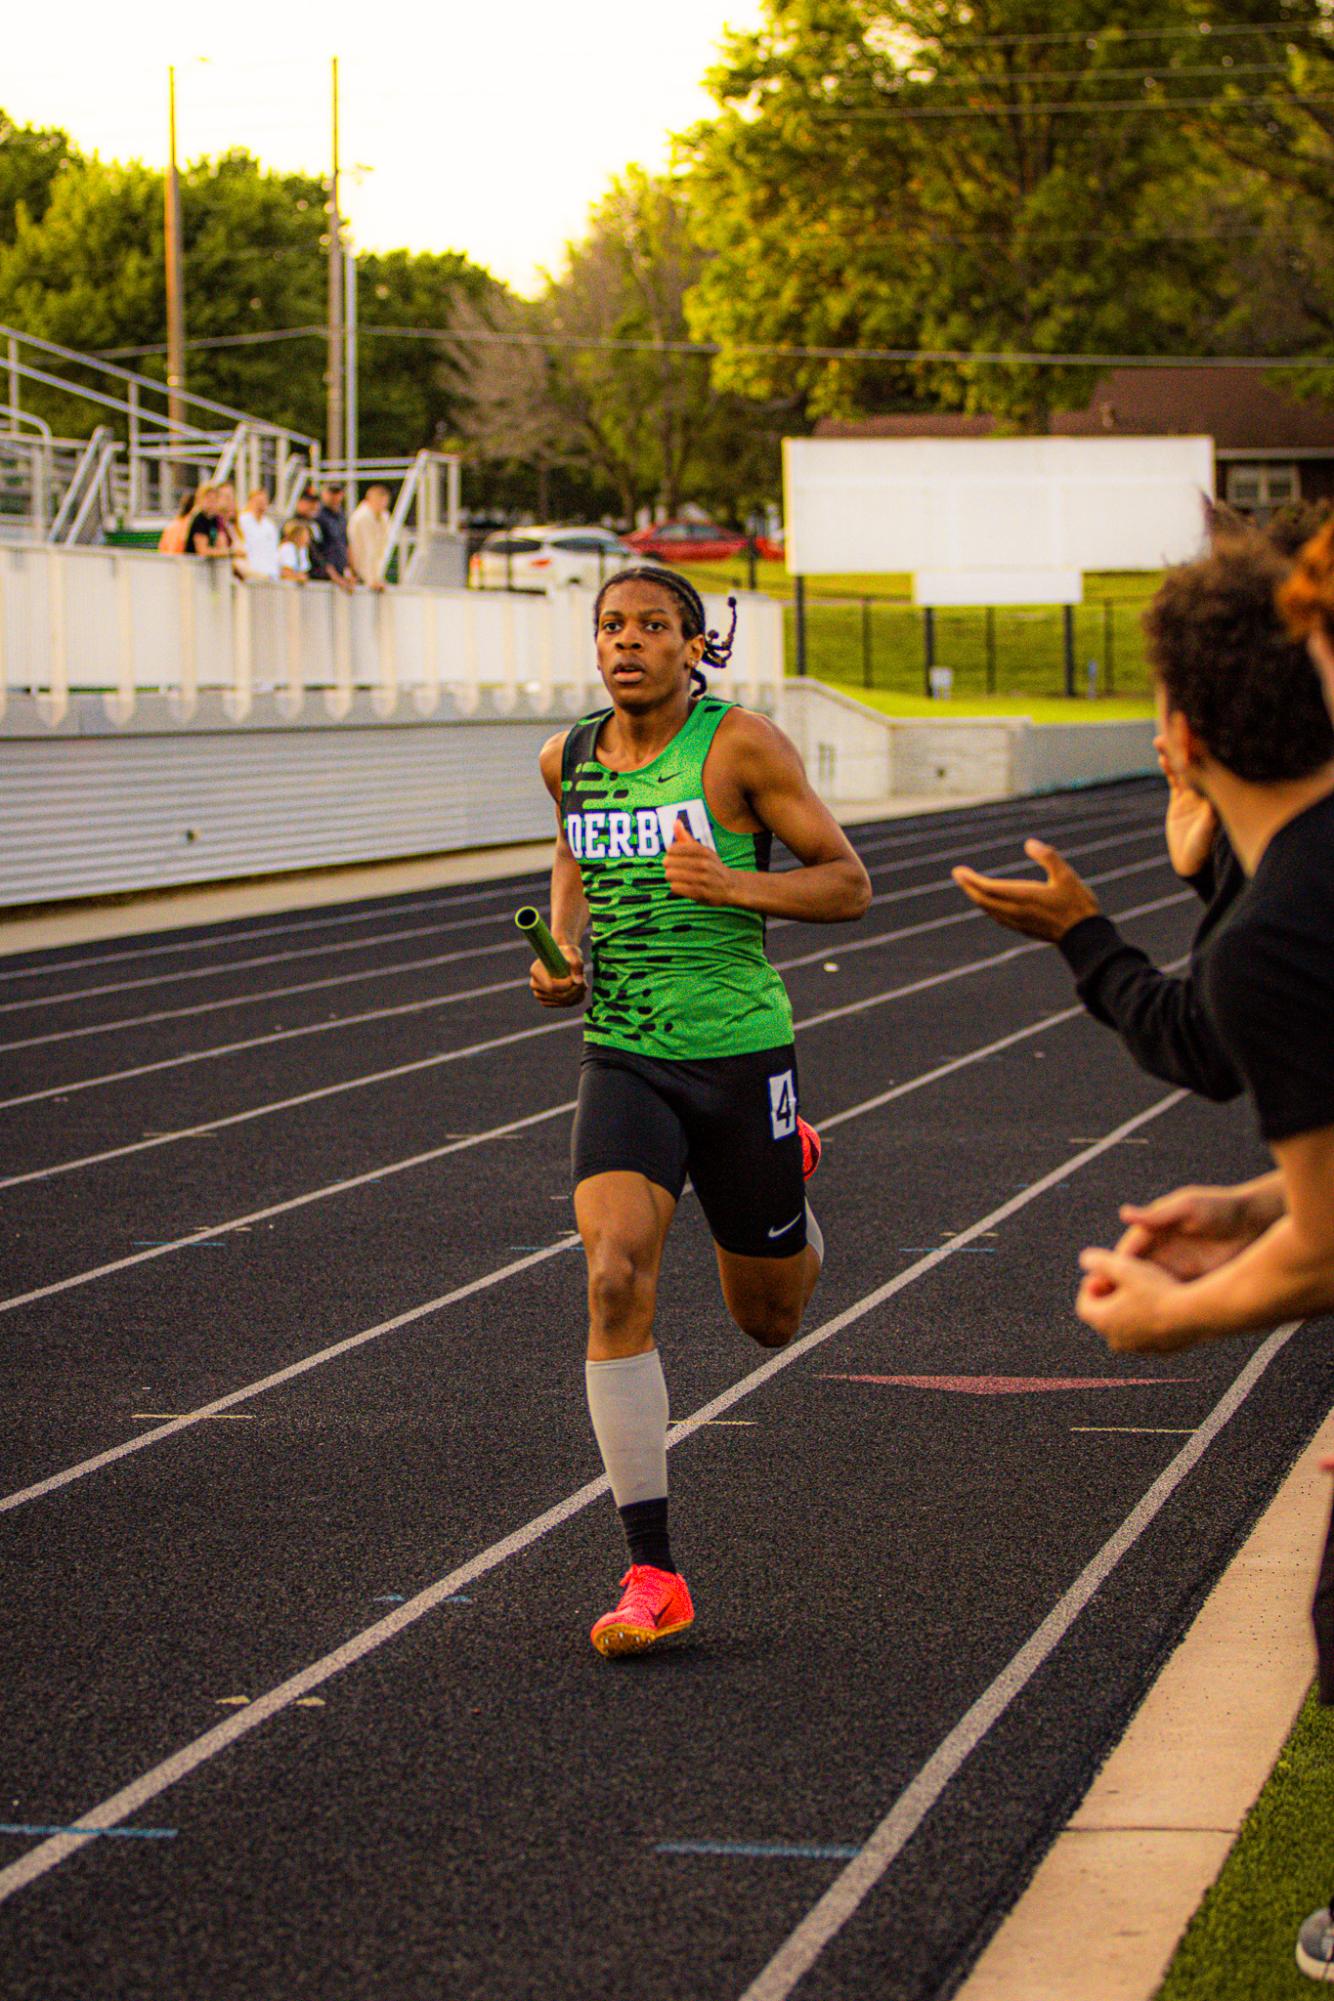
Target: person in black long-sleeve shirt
point(1159, 1017)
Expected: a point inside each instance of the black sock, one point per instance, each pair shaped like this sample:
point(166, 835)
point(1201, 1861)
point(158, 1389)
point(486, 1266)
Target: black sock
point(645, 1524)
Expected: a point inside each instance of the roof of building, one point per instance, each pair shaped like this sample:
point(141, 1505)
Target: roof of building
point(1238, 408)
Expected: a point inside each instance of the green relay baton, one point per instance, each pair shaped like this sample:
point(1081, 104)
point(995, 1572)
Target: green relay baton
point(544, 945)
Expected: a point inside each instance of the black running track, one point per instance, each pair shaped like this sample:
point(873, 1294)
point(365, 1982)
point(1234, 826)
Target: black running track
point(300, 1548)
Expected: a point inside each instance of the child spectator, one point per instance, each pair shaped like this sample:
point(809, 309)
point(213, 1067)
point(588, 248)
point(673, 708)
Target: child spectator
point(294, 554)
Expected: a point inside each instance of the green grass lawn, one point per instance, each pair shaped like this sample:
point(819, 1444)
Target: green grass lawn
point(1239, 1945)
point(1037, 708)
point(865, 633)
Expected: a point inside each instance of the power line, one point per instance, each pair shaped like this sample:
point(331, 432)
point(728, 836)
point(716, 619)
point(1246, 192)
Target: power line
point(1204, 31)
point(489, 336)
point(1085, 108)
point(1145, 72)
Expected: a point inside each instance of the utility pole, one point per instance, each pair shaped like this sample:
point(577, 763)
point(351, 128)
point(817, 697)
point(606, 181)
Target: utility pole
point(350, 372)
point(334, 372)
point(175, 288)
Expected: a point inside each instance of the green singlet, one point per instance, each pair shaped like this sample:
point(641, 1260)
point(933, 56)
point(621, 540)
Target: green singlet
point(671, 978)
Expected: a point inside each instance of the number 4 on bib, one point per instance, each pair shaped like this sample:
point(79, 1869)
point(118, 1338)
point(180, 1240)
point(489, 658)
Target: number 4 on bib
point(783, 1104)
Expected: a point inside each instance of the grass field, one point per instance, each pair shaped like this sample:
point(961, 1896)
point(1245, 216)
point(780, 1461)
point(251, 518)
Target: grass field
point(865, 633)
point(1239, 1945)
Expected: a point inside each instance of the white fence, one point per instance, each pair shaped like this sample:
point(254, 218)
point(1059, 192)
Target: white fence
point(121, 623)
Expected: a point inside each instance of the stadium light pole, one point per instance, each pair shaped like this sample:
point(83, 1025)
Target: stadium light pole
point(334, 370)
point(175, 287)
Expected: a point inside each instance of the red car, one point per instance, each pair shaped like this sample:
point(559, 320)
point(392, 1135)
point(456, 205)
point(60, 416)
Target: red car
point(697, 542)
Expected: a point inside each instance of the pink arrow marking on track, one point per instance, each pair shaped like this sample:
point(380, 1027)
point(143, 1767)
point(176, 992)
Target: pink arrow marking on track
point(1012, 1386)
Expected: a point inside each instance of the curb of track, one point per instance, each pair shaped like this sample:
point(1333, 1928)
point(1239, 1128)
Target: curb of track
point(1126, 1874)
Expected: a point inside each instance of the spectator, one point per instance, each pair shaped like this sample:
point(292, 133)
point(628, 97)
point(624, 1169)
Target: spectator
point(294, 554)
point(231, 526)
point(307, 508)
point(368, 535)
point(171, 541)
point(1243, 721)
point(259, 533)
point(328, 556)
point(207, 533)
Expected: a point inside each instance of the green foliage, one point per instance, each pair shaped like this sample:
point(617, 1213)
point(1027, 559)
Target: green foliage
point(912, 175)
point(30, 159)
point(89, 273)
point(639, 421)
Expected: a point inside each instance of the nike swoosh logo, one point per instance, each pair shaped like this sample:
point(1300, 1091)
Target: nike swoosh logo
point(670, 779)
point(788, 1226)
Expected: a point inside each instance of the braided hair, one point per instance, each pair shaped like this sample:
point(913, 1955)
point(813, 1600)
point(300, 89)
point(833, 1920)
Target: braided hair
point(694, 619)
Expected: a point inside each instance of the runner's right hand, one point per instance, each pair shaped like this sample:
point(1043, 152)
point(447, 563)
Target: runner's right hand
point(552, 991)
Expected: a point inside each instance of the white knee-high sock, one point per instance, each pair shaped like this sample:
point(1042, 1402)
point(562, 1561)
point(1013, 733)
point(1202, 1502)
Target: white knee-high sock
point(627, 1401)
point(814, 1234)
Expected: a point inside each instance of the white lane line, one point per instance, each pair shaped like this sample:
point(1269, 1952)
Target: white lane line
point(222, 1406)
point(511, 944)
point(261, 1042)
point(974, 966)
point(403, 1008)
point(435, 1153)
point(254, 1216)
point(150, 1785)
point(505, 885)
point(210, 1126)
point(245, 965)
point(857, 1111)
point(207, 1126)
point(854, 1884)
point(270, 994)
point(845, 946)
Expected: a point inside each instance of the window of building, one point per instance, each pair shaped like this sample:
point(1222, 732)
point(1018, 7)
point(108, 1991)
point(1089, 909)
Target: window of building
point(1261, 488)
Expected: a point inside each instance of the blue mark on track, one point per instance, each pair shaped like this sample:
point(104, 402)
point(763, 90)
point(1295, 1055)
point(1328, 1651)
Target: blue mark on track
point(121, 1833)
point(801, 1851)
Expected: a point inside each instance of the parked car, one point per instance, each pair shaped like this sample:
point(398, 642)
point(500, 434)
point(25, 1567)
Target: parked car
point(699, 542)
point(543, 559)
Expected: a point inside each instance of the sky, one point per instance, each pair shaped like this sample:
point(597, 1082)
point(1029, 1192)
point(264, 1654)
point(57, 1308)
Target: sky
point(486, 129)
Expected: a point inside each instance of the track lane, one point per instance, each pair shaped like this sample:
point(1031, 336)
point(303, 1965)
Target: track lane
point(29, 1243)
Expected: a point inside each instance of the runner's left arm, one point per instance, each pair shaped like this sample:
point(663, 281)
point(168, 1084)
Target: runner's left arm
point(829, 887)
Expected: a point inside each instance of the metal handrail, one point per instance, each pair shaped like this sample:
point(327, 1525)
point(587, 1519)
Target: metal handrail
point(96, 488)
point(130, 375)
point(73, 495)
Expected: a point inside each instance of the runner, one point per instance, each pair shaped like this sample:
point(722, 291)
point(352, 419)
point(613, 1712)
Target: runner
point(666, 806)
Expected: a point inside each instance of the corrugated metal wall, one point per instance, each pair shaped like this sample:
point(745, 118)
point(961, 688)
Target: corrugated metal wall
point(86, 815)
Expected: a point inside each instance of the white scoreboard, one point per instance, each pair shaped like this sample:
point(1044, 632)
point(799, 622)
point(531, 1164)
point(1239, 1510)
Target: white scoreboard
point(994, 520)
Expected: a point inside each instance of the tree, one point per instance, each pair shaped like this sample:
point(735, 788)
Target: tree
point(30, 158)
point(613, 389)
point(88, 273)
point(920, 174)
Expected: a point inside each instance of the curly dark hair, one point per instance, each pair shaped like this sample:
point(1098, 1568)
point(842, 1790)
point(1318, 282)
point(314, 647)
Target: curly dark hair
point(694, 619)
point(1218, 645)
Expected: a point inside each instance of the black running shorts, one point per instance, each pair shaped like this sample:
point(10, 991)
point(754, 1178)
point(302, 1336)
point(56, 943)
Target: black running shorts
point(729, 1122)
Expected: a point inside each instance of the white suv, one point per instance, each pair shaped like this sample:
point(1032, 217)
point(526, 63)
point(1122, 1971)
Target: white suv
point(544, 559)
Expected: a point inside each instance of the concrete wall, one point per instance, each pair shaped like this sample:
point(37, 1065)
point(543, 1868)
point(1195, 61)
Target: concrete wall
point(186, 793)
point(854, 753)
